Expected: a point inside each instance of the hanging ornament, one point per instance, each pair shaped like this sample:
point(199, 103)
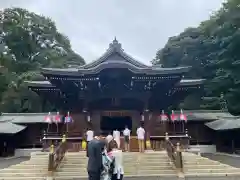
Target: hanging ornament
point(68, 118)
point(163, 116)
point(48, 118)
point(88, 118)
point(173, 116)
point(57, 118)
point(142, 117)
point(183, 117)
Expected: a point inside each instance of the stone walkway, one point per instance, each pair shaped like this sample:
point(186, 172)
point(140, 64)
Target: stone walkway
point(225, 159)
point(6, 162)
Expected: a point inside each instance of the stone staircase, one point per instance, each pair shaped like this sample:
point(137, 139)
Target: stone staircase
point(195, 165)
point(135, 165)
point(154, 164)
point(33, 169)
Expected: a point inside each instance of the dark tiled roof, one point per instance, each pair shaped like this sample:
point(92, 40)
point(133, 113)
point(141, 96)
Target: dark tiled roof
point(7, 127)
point(193, 115)
point(23, 117)
point(225, 123)
point(115, 47)
point(115, 57)
point(116, 64)
point(183, 82)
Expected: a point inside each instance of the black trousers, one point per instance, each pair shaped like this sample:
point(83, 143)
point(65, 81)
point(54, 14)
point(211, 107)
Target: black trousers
point(114, 177)
point(94, 176)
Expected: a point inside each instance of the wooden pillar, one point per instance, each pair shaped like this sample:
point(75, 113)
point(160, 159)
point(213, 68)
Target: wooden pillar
point(147, 121)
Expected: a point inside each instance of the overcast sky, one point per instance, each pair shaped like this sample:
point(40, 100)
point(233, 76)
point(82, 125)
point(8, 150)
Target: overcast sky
point(142, 26)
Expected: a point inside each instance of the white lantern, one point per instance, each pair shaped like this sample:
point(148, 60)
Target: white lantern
point(142, 117)
point(88, 118)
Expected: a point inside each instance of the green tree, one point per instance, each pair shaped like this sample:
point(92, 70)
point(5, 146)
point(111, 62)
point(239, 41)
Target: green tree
point(212, 49)
point(28, 43)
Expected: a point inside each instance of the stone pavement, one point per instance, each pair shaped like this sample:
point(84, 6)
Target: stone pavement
point(6, 162)
point(186, 178)
point(226, 159)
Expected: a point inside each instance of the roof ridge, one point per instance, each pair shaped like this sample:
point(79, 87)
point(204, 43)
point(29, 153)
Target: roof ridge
point(41, 113)
point(114, 46)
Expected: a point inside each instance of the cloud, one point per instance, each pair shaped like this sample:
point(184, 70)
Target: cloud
point(142, 26)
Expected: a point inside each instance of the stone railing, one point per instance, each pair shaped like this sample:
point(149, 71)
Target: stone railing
point(56, 155)
point(174, 153)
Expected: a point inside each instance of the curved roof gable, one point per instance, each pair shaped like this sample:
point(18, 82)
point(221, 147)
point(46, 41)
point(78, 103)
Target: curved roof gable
point(114, 53)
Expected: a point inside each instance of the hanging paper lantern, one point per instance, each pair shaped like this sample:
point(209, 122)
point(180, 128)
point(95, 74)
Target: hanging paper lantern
point(163, 116)
point(68, 118)
point(142, 117)
point(48, 118)
point(183, 117)
point(57, 118)
point(173, 116)
point(88, 118)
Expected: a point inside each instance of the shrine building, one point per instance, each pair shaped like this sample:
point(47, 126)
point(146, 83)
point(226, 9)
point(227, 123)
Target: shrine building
point(115, 91)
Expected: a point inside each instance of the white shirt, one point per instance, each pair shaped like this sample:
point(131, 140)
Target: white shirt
point(116, 134)
point(140, 133)
point(118, 163)
point(109, 138)
point(126, 132)
point(90, 135)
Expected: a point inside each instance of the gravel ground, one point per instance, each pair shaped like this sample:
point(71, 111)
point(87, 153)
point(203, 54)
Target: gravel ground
point(4, 163)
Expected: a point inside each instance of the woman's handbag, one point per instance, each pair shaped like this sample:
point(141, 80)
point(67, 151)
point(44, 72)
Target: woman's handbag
point(112, 166)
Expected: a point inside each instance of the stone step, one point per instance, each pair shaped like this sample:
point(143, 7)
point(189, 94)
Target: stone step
point(34, 163)
point(213, 171)
point(142, 172)
point(154, 168)
point(23, 174)
point(236, 175)
point(126, 168)
point(24, 178)
point(28, 166)
point(202, 163)
point(139, 176)
point(200, 166)
point(145, 163)
point(32, 170)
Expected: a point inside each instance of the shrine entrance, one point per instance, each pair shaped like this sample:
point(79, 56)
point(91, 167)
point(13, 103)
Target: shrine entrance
point(111, 123)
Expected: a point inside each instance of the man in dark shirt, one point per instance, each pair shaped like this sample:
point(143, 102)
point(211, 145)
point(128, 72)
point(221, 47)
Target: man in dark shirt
point(94, 153)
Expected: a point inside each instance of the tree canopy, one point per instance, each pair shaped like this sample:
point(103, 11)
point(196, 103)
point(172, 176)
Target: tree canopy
point(212, 49)
point(29, 42)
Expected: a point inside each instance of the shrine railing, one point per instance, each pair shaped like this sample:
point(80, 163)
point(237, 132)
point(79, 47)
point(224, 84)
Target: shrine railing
point(73, 143)
point(56, 155)
point(174, 153)
point(158, 142)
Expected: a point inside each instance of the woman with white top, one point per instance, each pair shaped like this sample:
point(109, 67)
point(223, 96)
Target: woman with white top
point(117, 156)
point(116, 136)
point(126, 134)
point(89, 136)
point(141, 137)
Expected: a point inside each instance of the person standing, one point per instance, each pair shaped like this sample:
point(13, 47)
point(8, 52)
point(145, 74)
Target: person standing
point(126, 134)
point(89, 136)
point(108, 163)
point(95, 163)
point(109, 137)
point(141, 137)
point(116, 136)
point(117, 156)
